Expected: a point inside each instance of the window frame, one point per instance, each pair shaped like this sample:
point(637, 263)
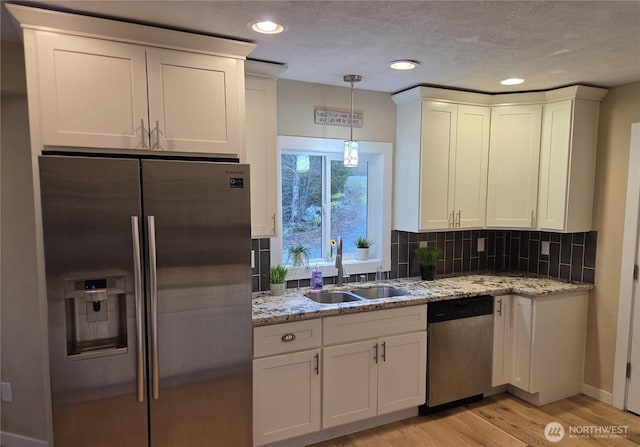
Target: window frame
point(379, 156)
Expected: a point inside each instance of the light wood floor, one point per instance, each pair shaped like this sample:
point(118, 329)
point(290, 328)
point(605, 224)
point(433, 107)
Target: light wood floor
point(501, 420)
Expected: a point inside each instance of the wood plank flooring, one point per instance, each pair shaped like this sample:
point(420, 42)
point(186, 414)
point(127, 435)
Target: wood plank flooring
point(502, 420)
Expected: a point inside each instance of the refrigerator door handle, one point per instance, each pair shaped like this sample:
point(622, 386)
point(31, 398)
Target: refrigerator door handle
point(137, 283)
point(153, 283)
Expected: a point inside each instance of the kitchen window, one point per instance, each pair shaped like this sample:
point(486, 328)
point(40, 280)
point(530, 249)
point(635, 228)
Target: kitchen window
point(320, 199)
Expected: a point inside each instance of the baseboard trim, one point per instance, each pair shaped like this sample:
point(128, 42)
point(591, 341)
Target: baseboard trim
point(14, 440)
point(597, 393)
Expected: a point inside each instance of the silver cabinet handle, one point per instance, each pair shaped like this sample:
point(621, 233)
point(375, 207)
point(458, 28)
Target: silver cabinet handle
point(375, 355)
point(288, 337)
point(499, 311)
point(384, 351)
point(137, 286)
point(153, 286)
point(157, 145)
point(273, 218)
point(142, 134)
point(452, 219)
point(317, 367)
point(458, 218)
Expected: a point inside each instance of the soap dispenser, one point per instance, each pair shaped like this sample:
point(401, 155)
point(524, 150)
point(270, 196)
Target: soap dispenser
point(316, 279)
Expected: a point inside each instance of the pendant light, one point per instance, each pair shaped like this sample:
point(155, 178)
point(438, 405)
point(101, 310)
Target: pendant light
point(351, 146)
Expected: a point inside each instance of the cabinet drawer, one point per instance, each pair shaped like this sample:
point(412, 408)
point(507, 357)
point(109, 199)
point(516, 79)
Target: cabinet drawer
point(360, 326)
point(286, 337)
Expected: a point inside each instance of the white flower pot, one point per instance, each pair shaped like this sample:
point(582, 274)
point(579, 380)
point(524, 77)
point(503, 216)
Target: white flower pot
point(277, 289)
point(362, 254)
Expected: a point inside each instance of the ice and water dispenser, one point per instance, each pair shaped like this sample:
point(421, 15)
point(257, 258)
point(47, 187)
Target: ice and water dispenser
point(96, 316)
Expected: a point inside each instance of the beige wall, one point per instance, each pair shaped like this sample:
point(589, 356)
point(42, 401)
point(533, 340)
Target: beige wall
point(22, 361)
point(297, 101)
point(619, 109)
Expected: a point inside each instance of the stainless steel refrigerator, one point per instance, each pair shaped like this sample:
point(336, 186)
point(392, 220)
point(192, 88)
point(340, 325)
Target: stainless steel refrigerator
point(149, 298)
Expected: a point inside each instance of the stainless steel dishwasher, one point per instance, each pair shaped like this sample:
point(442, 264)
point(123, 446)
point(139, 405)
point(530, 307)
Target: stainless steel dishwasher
point(459, 352)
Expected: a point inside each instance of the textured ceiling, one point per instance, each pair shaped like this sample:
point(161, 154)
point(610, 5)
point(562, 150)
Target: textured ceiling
point(462, 44)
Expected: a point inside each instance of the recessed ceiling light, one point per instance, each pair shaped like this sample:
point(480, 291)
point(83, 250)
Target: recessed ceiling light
point(512, 81)
point(404, 64)
point(266, 27)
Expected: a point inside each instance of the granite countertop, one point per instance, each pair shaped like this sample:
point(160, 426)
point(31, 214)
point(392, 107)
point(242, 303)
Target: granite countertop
point(294, 306)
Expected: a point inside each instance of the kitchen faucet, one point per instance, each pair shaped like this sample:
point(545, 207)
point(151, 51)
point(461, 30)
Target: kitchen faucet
point(339, 262)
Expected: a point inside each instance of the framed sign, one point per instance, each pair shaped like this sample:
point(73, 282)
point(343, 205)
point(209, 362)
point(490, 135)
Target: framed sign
point(336, 117)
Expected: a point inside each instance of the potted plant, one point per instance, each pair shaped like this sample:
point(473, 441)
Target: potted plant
point(362, 248)
point(298, 256)
point(427, 257)
point(277, 277)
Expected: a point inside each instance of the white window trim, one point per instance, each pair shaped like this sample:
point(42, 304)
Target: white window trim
point(380, 187)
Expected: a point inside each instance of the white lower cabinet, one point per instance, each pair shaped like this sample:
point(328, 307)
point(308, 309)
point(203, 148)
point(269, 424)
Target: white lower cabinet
point(350, 390)
point(286, 387)
point(375, 376)
point(538, 345)
point(286, 396)
point(402, 372)
point(501, 370)
point(316, 374)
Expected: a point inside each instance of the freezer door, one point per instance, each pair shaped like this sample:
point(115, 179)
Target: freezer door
point(199, 293)
point(87, 205)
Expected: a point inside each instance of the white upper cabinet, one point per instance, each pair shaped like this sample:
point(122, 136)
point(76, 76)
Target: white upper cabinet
point(436, 201)
point(93, 92)
point(471, 164)
point(99, 83)
point(441, 164)
point(194, 102)
point(98, 93)
point(512, 188)
point(261, 128)
point(567, 165)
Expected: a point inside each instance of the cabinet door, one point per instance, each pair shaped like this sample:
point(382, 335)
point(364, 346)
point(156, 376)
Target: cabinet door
point(471, 164)
point(439, 125)
point(522, 337)
point(286, 396)
point(260, 96)
point(402, 372)
point(349, 391)
point(554, 164)
point(194, 102)
point(93, 92)
point(501, 370)
point(513, 166)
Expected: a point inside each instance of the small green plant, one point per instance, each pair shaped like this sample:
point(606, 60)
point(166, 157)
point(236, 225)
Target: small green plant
point(278, 274)
point(427, 256)
point(363, 242)
point(298, 256)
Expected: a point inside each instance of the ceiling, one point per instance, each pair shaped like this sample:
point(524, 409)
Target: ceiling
point(461, 44)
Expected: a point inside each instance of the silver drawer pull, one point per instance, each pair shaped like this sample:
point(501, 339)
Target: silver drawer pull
point(288, 337)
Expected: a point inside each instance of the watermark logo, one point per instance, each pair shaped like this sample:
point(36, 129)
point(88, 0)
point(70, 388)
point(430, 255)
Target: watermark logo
point(554, 432)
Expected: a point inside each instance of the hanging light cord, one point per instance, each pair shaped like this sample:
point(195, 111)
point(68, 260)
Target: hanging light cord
point(351, 136)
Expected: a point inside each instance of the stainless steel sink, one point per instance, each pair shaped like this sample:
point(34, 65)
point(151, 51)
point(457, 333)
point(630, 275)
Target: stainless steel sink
point(332, 296)
point(375, 292)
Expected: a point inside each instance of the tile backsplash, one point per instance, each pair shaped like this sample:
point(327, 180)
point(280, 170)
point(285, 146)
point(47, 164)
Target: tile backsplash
point(572, 256)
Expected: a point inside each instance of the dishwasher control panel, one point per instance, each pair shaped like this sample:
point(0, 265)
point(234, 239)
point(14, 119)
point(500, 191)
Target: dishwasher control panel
point(459, 308)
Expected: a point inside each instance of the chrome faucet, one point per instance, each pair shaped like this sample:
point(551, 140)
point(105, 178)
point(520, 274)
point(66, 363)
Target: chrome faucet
point(339, 262)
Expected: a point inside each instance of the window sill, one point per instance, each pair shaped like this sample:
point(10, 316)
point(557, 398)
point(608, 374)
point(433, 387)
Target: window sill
point(328, 269)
